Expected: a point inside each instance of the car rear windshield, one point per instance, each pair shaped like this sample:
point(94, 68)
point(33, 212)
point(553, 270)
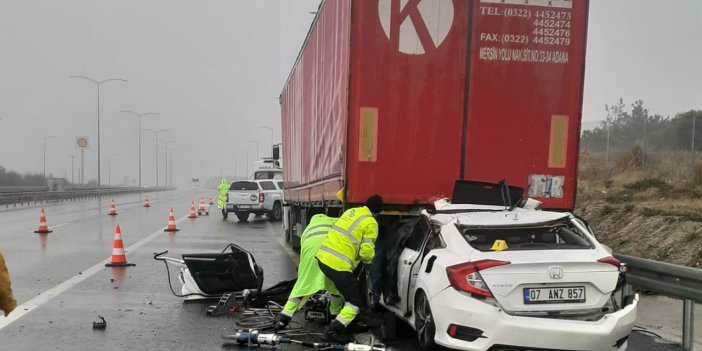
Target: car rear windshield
point(554, 236)
point(244, 186)
point(267, 186)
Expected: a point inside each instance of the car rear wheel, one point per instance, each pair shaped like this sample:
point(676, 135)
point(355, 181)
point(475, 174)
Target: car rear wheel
point(243, 216)
point(424, 323)
point(277, 213)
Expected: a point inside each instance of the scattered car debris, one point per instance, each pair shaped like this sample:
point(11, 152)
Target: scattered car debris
point(100, 325)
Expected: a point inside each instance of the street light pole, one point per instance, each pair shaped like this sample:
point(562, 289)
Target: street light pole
point(47, 137)
point(73, 157)
point(109, 168)
point(156, 133)
point(166, 167)
point(139, 117)
point(170, 165)
point(97, 84)
point(255, 142)
point(272, 131)
point(245, 151)
point(234, 157)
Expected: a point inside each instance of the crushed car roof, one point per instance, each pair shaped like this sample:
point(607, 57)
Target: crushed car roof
point(481, 215)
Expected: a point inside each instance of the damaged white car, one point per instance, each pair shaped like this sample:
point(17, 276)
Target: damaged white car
point(478, 277)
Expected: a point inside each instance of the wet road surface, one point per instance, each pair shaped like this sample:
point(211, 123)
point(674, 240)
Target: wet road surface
point(62, 286)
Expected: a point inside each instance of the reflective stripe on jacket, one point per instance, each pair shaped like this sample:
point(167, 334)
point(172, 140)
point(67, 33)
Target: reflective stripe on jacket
point(310, 278)
point(350, 240)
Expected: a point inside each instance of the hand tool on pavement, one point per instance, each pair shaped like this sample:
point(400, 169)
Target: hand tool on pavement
point(254, 338)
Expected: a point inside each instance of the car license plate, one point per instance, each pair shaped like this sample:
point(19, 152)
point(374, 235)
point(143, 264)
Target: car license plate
point(245, 207)
point(568, 294)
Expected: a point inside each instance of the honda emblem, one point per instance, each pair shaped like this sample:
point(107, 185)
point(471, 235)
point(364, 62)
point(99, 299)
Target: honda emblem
point(556, 272)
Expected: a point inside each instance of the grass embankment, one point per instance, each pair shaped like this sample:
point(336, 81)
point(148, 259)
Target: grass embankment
point(650, 209)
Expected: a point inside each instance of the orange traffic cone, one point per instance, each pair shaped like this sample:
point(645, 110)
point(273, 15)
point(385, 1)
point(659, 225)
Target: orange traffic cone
point(171, 227)
point(211, 201)
point(43, 228)
point(146, 201)
point(192, 213)
point(201, 210)
point(119, 259)
point(113, 209)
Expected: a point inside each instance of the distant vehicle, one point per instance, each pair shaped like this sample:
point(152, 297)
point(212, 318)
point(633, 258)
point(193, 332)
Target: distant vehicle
point(255, 196)
point(268, 168)
point(472, 277)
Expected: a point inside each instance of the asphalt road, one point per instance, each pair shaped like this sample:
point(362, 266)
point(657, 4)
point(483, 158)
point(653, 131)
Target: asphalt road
point(62, 285)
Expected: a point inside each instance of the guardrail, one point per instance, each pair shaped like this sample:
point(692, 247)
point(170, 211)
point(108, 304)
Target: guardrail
point(681, 282)
point(39, 197)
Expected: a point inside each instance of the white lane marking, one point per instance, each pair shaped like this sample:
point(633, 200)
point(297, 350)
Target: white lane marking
point(58, 225)
point(48, 295)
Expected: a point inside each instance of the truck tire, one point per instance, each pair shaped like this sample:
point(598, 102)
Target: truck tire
point(243, 216)
point(277, 213)
point(289, 231)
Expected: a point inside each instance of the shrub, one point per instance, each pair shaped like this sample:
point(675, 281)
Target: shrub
point(697, 175)
point(619, 197)
point(607, 210)
point(648, 183)
point(650, 212)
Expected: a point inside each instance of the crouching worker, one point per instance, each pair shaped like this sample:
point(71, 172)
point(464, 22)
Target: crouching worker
point(351, 240)
point(310, 279)
point(7, 301)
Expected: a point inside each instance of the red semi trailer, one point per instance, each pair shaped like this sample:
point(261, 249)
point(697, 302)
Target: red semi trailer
point(402, 98)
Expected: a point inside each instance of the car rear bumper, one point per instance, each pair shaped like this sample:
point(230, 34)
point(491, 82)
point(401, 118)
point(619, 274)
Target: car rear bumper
point(245, 208)
point(499, 328)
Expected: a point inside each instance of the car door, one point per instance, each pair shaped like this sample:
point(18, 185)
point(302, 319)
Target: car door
point(408, 265)
point(270, 193)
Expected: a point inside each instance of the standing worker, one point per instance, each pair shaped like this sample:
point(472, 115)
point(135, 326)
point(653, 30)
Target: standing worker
point(7, 301)
point(222, 199)
point(351, 240)
point(310, 279)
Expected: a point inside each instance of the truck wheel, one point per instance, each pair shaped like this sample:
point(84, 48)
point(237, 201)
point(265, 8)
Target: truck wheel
point(277, 214)
point(289, 232)
point(243, 216)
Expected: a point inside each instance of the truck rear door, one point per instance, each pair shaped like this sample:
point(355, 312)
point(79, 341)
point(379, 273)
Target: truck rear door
point(525, 94)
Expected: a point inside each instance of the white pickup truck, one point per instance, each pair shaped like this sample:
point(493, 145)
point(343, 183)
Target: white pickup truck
point(255, 196)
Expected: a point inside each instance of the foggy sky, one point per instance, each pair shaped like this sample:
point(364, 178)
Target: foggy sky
point(214, 68)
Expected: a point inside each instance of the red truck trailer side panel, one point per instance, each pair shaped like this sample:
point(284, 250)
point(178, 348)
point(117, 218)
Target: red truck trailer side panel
point(314, 106)
point(403, 97)
point(407, 97)
point(526, 82)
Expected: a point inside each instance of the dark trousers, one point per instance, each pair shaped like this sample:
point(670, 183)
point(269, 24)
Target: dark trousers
point(345, 282)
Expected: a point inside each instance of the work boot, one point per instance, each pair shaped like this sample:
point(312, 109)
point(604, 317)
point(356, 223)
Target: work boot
point(282, 322)
point(356, 326)
point(334, 333)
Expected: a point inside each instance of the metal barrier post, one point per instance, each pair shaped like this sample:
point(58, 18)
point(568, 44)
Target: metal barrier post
point(688, 325)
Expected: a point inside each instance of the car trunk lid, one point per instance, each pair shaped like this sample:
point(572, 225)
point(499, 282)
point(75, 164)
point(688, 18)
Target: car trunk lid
point(244, 193)
point(561, 280)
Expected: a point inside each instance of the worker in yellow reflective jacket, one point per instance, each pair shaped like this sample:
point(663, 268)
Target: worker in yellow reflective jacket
point(310, 279)
point(223, 188)
point(350, 241)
